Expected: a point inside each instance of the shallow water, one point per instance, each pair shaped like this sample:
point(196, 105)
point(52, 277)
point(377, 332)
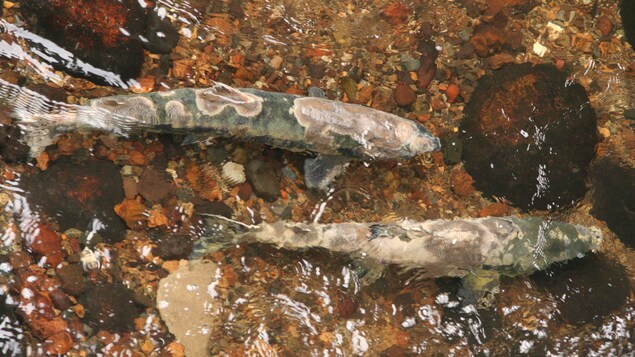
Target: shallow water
point(254, 299)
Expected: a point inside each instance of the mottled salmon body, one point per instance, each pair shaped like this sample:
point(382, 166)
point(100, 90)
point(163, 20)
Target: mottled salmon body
point(281, 120)
point(335, 131)
point(476, 249)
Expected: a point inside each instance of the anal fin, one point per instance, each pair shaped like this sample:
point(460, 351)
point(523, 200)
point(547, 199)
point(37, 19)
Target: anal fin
point(319, 172)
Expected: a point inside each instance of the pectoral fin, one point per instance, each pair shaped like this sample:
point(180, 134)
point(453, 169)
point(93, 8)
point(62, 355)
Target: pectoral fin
point(320, 171)
point(368, 271)
point(479, 288)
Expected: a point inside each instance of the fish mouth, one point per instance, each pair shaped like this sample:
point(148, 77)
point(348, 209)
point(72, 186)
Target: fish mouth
point(423, 142)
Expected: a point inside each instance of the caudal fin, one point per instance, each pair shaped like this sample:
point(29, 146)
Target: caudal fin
point(42, 119)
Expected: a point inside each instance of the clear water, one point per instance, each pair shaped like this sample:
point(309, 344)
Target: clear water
point(258, 300)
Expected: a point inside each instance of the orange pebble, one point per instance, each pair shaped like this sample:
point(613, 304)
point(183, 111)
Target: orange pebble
point(452, 92)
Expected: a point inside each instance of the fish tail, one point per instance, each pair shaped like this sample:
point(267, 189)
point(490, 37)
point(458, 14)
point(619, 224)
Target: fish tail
point(220, 233)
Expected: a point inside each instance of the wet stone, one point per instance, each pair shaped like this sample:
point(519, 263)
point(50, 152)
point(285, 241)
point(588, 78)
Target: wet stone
point(74, 193)
point(404, 95)
point(263, 179)
point(627, 11)
point(502, 126)
point(587, 289)
point(72, 278)
point(614, 198)
point(452, 147)
point(173, 246)
point(90, 31)
point(154, 186)
point(110, 307)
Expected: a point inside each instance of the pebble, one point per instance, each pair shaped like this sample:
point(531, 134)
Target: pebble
point(349, 86)
point(275, 62)
point(47, 243)
point(404, 95)
point(20, 260)
point(487, 39)
point(72, 279)
point(605, 25)
point(110, 307)
point(425, 75)
point(263, 180)
point(154, 185)
point(452, 92)
point(408, 62)
point(497, 209)
point(59, 343)
point(462, 183)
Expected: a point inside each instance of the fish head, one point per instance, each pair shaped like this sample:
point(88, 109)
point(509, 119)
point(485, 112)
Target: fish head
point(417, 140)
point(542, 243)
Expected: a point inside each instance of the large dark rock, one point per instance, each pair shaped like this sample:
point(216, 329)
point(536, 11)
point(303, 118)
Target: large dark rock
point(627, 10)
point(74, 193)
point(528, 136)
point(614, 197)
point(110, 307)
point(104, 39)
point(587, 289)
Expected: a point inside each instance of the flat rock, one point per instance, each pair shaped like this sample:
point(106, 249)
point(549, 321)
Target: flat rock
point(186, 304)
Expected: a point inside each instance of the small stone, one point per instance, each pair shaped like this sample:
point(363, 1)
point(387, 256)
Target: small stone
point(110, 307)
point(408, 62)
point(462, 183)
point(451, 147)
point(497, 209)
point(437, 103)
point(154, 185)
point(404, 95)
point(349, 86)
point(487, 39)
point(452, 92)
point(383, 99)
point(175, 349)
point(60, 299)
point(72, 279)
point(20, 260)
point(396, 13)
point(46, 243)
point(130, 187)
point(263, 179)
point(132, 211)
point(275, 62)
point(560, 64)
point(245, 191)
point(425, 75)
point(497, 60)
point(605, 25)
point(59, 343)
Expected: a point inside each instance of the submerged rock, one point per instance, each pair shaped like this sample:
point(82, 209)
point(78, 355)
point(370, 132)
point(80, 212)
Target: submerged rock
point(586, 290)
point(106, 38)
point(110, 307)
point(186, 302)
point(627, 10)
point(74, 193)
point(528, 136)
point(614, 197)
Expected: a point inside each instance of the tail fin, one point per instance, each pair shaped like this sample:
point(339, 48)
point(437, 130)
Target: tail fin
point(220, 232)
point(43, 119)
